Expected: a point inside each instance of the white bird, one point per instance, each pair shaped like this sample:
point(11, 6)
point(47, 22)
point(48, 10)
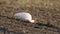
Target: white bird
point(24, 16)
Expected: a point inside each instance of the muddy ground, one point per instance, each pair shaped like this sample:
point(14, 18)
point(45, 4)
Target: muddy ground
point(46, 14)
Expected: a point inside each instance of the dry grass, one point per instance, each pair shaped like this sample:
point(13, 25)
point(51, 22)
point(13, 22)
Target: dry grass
point(44, 11)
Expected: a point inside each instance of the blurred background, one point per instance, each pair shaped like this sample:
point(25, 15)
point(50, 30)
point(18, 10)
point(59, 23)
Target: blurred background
point(43, 11)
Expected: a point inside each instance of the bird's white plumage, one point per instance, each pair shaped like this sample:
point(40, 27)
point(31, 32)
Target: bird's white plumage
point(24, 16)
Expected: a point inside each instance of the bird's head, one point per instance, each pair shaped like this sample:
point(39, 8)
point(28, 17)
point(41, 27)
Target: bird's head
point(32, 21)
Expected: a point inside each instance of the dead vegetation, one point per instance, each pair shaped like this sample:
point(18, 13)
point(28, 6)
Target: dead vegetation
point(45, 12)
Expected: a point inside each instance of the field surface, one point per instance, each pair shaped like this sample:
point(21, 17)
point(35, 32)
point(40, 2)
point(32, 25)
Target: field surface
point(46, 14)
